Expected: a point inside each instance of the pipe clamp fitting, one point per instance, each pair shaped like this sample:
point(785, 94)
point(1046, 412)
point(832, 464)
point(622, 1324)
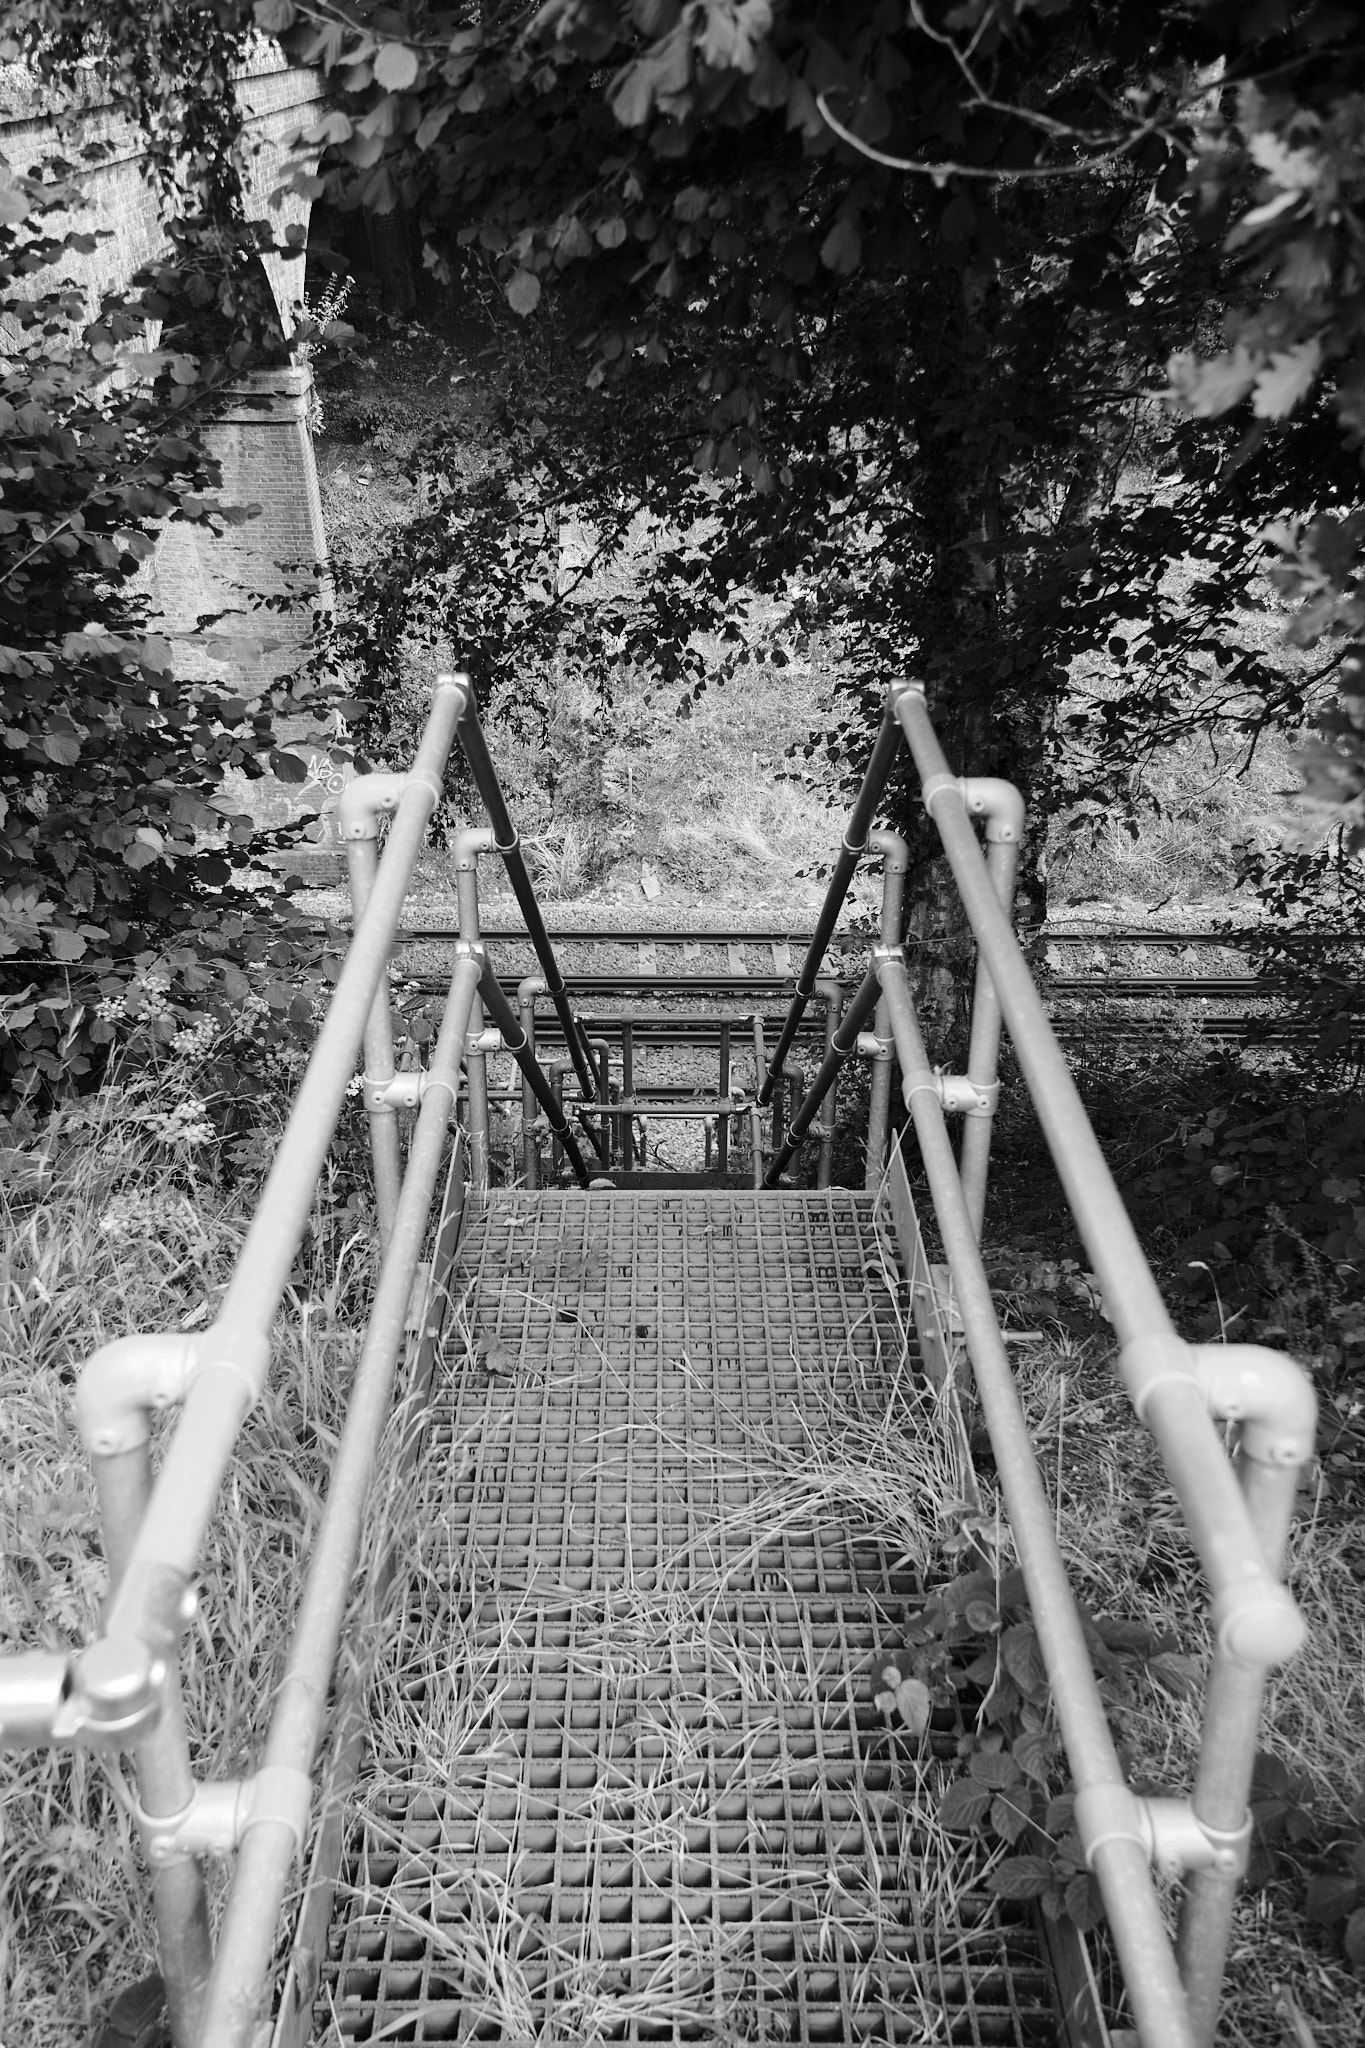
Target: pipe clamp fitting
point(888, 956)
point(487, 1040)
point(280, 1793)
point(400, 1091)
point(1108, 1813)
point(872, 1047)
point(209, 1824)
point(471, 949)
point(1179, 1841)
point(960, 1092)
point(365, 799)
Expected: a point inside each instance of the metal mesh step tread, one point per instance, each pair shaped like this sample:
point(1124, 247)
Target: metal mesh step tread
point(628, 1780)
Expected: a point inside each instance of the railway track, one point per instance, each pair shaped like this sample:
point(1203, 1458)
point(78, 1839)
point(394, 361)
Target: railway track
point(748, 971)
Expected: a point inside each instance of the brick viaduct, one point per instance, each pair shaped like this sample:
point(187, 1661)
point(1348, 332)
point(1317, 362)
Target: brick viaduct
point(261, 435)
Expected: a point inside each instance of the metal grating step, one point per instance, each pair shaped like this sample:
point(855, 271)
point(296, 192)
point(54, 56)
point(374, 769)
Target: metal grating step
point(628, 1781)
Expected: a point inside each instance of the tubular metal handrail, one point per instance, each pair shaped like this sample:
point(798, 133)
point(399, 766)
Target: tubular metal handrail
point(1237, 1514)
point(854, 846)
point(507, 842)
point(123, 1691)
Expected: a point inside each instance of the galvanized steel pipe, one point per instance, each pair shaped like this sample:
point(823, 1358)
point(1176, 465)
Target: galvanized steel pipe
point(1252, 1611)
point(269, 1846)
point(884, 752)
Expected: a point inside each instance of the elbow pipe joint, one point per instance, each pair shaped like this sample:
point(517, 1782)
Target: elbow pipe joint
point(470, 843)
point(127, 1382)
point(1256, 1621)
point(894, 849)
point(830, 987)
point(1268, 1393)
point(365, 800)
point(530, 988)
point(981, 796)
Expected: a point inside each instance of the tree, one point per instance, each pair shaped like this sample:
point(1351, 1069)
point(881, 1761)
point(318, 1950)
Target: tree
point(911, 357)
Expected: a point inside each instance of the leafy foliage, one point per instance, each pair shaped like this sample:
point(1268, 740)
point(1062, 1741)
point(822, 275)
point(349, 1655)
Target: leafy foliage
point(975, 1651)
point(116, 853)
point(901, 390)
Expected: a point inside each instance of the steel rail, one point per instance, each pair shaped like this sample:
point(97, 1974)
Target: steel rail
point(507, 842)
point(1176, 1390)
point(857, 1011)
point(1120, 1861)
point(884, 751)
point(231, 1360)
point(517, 1041)
point(268, 1847)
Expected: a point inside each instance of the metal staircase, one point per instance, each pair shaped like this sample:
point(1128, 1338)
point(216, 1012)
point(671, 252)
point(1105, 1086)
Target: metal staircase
point(602, 1753)
point(627, 1779)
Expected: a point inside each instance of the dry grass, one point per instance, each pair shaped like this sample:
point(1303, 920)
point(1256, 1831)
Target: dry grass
point(1128, 1558)
point(135, 1235)
point(681, 1675)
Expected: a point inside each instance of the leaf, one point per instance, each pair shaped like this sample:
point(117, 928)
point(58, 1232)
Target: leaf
point(964, 1806)
point(1178, 1674)
point(631, 95)
point(395, 67)
point(1353, 1940)
point(523, 292)
point(432, 123)
point(1020, 1877)
point(1287, 378)
point(611, 233)
point(1215, 384)
point(1009, 1818)
point(66, 945)
point(1024, 1660)
point(908, 1697)
point(994, 1767)
point(14, 205)
point(288, 767)
point(1033, 1754)
point(275, 16)
point(1330, 1898)
point(842, 248)
point(62, 747)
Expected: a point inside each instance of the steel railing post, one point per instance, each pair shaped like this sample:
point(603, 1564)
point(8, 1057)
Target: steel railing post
point(879, 1102)
point(161, 1765)
point(507, 842)
point(723, 1120)
point(272, 1842)
point(469, 844)
point(363, 802)
point(1234, 1695)
point(884, 751)
point(628, 1091)
point(231, 1360)
point(983, 1054)
point(514, 1041)
point(842, 1044)
point(527, 991)
point(1107, 1813)
point(833, 992)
